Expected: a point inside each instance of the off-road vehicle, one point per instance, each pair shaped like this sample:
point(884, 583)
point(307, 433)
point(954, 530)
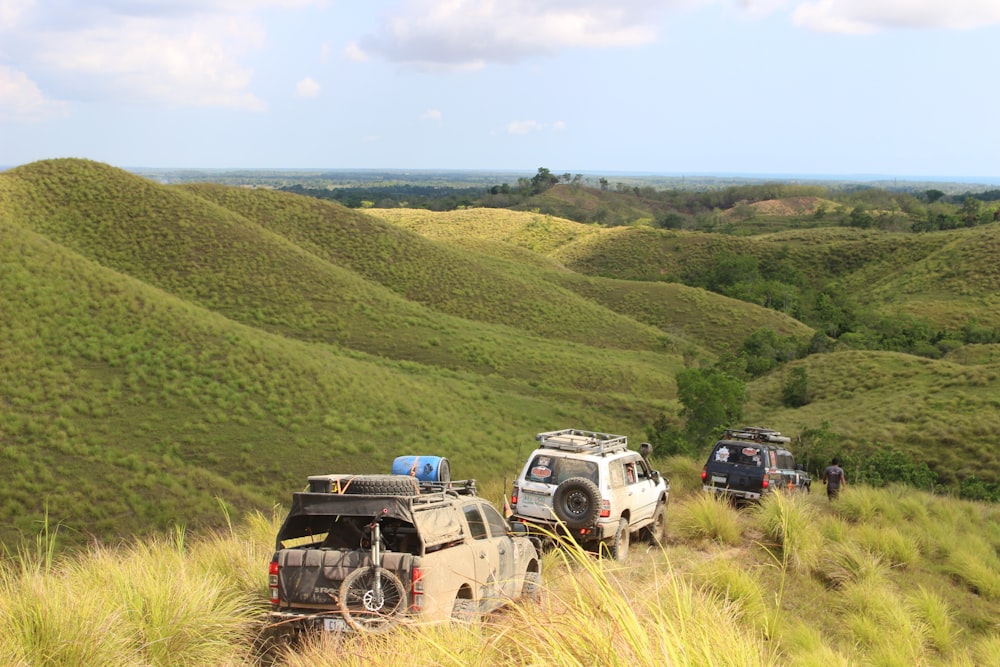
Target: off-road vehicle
point(591, 487)
point(752, 461)
point(366, 552)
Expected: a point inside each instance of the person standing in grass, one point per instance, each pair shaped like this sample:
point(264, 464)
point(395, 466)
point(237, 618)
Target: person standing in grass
point(834, 478)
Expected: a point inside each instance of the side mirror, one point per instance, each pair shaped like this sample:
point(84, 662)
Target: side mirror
point(518, 528)
point(655, 476)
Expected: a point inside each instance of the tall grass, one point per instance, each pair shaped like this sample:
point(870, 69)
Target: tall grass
point(156, 601)
point(788, 523)
point(181, 599)
point(592, 613)
point(705, 516)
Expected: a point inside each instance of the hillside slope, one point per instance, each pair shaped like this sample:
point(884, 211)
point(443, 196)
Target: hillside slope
point(165, 349)
point(699, 318)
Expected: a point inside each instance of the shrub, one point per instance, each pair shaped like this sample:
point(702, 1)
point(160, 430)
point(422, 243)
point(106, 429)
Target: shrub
point(707, 517)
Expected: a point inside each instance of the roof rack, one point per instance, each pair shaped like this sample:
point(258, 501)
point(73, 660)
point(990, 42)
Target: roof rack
point(589, 442)
point(756, 433)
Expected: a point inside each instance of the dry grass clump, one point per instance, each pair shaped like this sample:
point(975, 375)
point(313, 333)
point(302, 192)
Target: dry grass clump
point(788, 523)
point(152, 602)
point(706, 517)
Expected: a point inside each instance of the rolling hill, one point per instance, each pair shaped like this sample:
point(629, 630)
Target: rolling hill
point(166, 349)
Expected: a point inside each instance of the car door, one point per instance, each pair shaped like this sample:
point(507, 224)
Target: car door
point(487, 556)
point(641, 489)
point(500, 537)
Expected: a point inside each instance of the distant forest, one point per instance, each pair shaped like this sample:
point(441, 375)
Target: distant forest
point(690, 205)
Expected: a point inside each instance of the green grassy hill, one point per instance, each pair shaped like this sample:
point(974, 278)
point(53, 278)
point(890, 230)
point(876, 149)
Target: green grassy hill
point(166, 349)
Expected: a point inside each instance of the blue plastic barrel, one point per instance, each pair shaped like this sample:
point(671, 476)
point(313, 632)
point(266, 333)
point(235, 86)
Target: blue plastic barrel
point(424, 468)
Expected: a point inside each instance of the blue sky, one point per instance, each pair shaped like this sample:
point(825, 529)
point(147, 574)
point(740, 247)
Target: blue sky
point(895, 88)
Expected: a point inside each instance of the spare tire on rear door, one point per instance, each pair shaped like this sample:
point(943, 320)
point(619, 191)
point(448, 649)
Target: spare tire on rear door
point(577, 502)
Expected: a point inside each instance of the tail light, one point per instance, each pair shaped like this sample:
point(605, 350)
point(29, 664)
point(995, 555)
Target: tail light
point(513, 496)
point(764, 483)
point(605, 508)
point(416, 589)
point(704, 473)
point(272, 582)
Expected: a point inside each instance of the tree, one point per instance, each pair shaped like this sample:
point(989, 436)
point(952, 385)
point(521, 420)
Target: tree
point(543, 180)
point(765, 350)
point(795, 392)
point(667, 439)
point(933, 196)
point(971, 212)
point(712, 400)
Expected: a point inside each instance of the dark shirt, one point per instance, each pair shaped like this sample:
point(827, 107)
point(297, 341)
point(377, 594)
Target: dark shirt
point(833, 476)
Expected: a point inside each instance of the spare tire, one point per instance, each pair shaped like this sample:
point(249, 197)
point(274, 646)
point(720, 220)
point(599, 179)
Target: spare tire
point(577, 502)
point(381, 485)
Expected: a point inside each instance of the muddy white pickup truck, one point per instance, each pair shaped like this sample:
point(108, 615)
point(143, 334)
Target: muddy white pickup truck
point(367, 552)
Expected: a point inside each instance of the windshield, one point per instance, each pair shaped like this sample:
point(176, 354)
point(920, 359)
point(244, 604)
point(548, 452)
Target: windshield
point(557, 469)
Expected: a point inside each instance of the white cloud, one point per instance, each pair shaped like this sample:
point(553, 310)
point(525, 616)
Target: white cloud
point(179, 52)
point(870, 16)
point(468, 34)
point(307, 88)
point(559, 125)
point(862, 16)
point(431, 114)
point(523, 126)
point(354, 52)
point(20, 98)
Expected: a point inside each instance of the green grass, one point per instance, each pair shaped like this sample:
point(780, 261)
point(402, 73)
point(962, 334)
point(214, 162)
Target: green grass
point(197, 599)
point(166, 346)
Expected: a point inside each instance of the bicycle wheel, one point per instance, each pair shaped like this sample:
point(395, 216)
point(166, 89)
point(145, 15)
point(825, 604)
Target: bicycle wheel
point(368, 610)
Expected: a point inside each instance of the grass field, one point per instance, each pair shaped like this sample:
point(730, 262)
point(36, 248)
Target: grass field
point(883, 577)
point(167, 348)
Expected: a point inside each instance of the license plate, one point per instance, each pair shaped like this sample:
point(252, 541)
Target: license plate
point(718, 480)
point(334, 625)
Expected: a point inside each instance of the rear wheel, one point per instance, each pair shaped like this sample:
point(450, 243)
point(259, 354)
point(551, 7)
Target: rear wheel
point(465, 611)
point(532, 587)
point(369, 610)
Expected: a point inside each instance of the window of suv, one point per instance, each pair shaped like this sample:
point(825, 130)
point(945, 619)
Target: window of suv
point(556, 469)
point(785, 460)
point(733, 452)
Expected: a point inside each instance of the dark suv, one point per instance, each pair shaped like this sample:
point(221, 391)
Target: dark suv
point(749, 462)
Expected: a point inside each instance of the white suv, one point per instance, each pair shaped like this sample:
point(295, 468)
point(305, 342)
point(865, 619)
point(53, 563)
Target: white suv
point(592, 488)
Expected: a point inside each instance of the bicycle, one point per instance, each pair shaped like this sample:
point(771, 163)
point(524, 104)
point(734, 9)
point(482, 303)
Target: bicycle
point(372, 599)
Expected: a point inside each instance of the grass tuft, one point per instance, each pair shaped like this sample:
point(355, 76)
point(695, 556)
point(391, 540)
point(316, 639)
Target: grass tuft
point(706, 517)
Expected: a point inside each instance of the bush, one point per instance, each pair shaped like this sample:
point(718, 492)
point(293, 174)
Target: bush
point(795, 391)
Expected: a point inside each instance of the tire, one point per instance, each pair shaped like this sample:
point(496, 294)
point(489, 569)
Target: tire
point(382, 485)
point(465, 611)
point(532, 590)
point(577, 502)
point(620, 542)
point(365, 612)
point(655, 532)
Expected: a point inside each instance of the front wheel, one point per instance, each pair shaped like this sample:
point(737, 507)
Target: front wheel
point(620, 542)
point(655, 532)
point(370, 608)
